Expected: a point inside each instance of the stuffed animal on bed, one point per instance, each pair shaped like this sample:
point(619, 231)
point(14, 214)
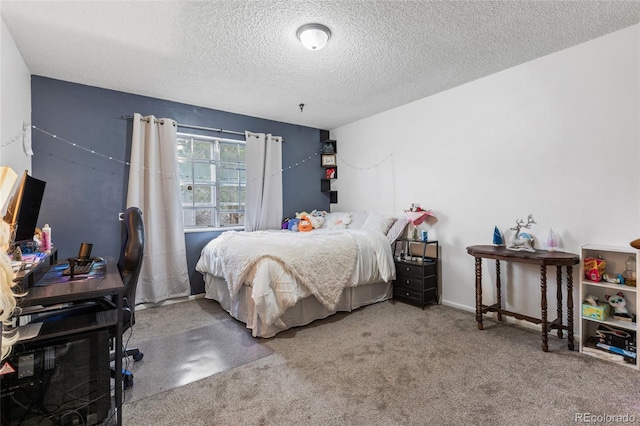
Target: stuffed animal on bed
point(317, 218)
point(338, 221)
point(305, 224)
point(293, 224)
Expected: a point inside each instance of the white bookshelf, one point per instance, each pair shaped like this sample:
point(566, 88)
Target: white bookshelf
point(615, 258)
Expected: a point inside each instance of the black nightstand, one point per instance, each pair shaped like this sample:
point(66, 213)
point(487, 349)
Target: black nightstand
point(416, 271)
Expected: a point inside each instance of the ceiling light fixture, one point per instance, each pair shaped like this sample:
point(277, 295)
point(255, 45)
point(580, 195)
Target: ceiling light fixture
point(313, 36)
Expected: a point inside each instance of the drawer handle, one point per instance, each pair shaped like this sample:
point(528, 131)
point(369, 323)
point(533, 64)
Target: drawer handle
point(408, 269)
point(407, 294)
point(408, 281)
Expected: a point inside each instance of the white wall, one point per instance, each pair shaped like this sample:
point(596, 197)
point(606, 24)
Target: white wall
point(15, 108)
point(557, 137)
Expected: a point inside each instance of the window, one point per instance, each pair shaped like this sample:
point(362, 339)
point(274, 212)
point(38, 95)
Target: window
point(212, 181)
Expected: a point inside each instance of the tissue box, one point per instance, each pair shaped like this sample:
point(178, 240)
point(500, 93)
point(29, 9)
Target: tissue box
point(600, 312)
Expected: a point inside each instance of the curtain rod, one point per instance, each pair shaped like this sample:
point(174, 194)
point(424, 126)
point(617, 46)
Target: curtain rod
point(191, 126)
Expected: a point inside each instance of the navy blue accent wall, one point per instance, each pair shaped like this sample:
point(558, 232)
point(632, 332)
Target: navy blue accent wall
point(86, 191)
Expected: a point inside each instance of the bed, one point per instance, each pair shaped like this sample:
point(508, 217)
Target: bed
point(278, 279)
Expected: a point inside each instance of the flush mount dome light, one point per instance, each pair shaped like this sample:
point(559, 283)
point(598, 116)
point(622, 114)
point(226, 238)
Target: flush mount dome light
point(313, 36)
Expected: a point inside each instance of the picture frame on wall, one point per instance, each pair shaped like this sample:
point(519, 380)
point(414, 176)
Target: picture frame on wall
point(328, 160)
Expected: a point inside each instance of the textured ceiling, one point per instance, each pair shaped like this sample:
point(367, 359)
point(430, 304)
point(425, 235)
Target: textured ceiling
point(243, 56)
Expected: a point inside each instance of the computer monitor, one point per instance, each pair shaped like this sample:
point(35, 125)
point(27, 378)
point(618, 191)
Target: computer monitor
point(24, 208)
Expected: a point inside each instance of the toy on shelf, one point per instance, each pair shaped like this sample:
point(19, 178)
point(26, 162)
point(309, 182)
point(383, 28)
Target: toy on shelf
point(330, 173)
point(594, 268)
point(613, 278)
point(619, 305)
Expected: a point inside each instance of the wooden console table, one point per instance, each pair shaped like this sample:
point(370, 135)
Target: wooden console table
point(539, 257)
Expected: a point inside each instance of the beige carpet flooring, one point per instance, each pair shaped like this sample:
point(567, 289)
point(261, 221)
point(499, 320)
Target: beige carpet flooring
point(388, 364)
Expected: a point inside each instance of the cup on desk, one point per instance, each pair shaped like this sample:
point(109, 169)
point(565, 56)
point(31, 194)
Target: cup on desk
point(84, 254)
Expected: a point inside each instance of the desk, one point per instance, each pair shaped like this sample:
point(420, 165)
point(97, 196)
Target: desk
point(543, 259)
point(53, 289)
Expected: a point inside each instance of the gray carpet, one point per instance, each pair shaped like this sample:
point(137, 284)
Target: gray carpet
point(390, 364)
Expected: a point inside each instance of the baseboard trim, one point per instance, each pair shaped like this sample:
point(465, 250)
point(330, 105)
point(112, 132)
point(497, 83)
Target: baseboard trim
point(459, 306)
point(169, 302)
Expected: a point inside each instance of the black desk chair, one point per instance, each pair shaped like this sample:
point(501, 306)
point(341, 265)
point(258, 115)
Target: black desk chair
point(129, 265)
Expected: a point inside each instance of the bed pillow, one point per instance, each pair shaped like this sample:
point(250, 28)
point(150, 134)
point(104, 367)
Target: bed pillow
point(397, 229)
point(378, 222)
point(337, 220)
point(357, 219)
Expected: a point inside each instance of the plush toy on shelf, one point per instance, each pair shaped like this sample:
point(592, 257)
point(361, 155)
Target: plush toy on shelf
point(619, 305)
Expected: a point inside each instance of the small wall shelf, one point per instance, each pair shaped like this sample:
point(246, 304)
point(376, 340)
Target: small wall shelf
point(328, 152)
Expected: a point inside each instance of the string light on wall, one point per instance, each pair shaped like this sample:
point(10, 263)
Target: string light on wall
point(376, 165)
point(173, 175)
point(373, 166)
point(75, 145)
point(24, 135)
point(168, 175)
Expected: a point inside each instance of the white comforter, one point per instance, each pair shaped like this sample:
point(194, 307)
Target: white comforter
point(283, 267)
